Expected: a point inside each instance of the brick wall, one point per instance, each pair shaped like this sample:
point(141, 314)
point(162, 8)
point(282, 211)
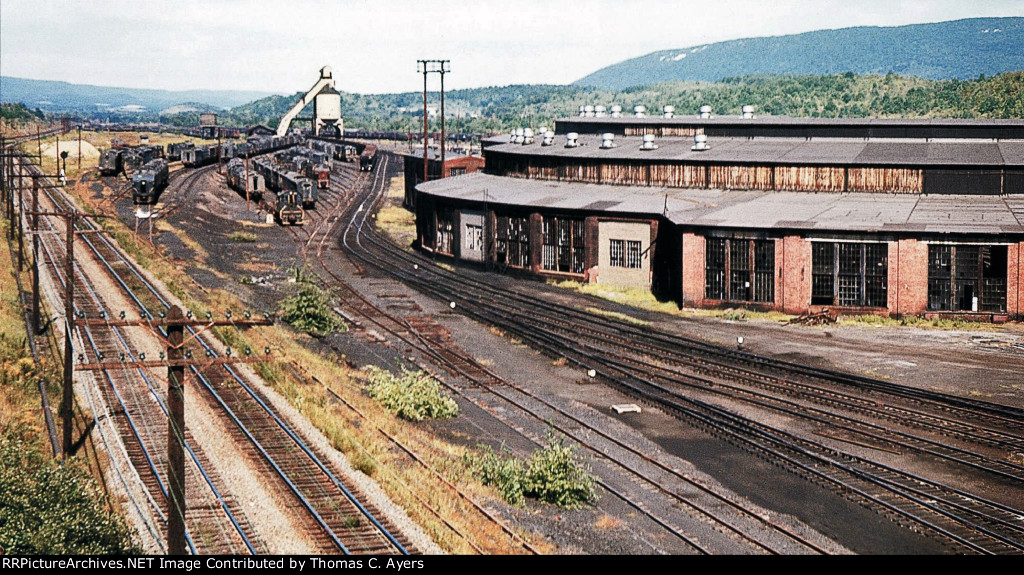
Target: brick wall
point(693, 269)
point(1015, 280)
point(793, 275)
point(908, 277)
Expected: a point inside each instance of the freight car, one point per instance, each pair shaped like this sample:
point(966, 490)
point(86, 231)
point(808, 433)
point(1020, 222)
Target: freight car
point(175, 150)
point(368, 158)
point(148, 181)
point(199, 156)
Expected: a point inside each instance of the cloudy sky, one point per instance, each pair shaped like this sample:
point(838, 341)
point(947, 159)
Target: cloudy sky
point(373, 45)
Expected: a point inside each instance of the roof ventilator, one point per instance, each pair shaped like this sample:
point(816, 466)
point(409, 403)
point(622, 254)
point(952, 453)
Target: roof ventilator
point(588, 111)
point(616, 111)
point(648, 143)
point(669, 111)
point(600, 111)
point(639, 111)
point(705, 111)
point(700, 143)
point(748, 112)
point(520, 136)
point(572, 140)
point(549, 139)
point(527, 137)
point(607, 141)
point(583, 112)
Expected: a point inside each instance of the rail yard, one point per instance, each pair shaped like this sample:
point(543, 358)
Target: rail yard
point(704, 435)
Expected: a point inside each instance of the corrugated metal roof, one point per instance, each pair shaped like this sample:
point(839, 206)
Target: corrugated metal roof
point(749, 209)
point(782, 151)
point(684, 120)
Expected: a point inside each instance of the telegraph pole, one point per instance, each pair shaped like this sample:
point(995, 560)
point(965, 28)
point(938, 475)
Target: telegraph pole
point(175, 435)
point(427, 67)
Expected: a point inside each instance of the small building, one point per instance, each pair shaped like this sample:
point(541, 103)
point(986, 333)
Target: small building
point(454, 165)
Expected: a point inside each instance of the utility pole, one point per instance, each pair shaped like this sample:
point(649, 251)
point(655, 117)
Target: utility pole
point(427, 67)
point(177, 359)
point(175, 435)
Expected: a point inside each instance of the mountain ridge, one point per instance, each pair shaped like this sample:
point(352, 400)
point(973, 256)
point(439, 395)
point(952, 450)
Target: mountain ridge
point(956, 49)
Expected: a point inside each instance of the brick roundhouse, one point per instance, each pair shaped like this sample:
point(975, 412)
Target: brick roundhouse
point(888, 217)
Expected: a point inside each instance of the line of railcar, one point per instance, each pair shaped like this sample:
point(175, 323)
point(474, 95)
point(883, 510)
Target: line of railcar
point(368, 158)
point(120, 160)
point(287, 187)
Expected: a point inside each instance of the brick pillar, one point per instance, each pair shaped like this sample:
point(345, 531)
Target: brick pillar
point(908, 277)
point(793, 275)
point(693, 269)
point(536, 241)
point(1015, 280)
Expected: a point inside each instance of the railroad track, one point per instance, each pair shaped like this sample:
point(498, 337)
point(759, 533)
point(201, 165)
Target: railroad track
point(348, 524)
point(611, 349)
point(743, 531)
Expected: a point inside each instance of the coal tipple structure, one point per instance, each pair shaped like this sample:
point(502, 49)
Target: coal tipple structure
point(890, 217)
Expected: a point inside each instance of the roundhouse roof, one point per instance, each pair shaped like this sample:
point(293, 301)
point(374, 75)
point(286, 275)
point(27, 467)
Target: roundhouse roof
point(753, 210)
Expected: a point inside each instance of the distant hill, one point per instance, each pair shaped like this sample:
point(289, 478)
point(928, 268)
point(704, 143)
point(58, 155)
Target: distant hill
point(960, 49)
point(52, 96)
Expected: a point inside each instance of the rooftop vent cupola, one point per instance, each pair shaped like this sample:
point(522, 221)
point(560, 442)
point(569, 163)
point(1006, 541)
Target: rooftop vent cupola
point(572, 140)
point(588, 111)
point(519, 137)
point(639, 111)
point(648, 143)
point(616, 111)
point(669, 111)
point(600, 111)
point(607, 140)
point(748, 112)
point(700, 143)
point(549, 139)
point(527, 137)
point(512, 136)
point(705, 111)
point(583, 112)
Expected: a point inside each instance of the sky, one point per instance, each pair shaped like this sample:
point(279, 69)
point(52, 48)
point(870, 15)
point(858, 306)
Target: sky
point(373, 45)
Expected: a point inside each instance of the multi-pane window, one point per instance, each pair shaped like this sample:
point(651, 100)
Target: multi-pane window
point(739, 270)
point(849, 274)
point(512, 241)
point(456, 171)
point(445, 225)
point(967, 278)
point(563, 245)
point(625, 254)
point(474, 239)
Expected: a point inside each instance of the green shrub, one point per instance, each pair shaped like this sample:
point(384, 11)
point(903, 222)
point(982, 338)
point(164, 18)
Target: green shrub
point(551, 475)
point(47, 508)
point(309, 310)
point(413, 396)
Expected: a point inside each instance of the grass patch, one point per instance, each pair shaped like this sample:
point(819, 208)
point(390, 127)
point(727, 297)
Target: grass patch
point(940, 323)
point(243, 237)
point(413, 396)
point(551, 474)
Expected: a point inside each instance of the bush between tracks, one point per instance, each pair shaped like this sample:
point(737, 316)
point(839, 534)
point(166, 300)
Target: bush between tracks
point(550, 475)
point(309, 310)
point(412, 396)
